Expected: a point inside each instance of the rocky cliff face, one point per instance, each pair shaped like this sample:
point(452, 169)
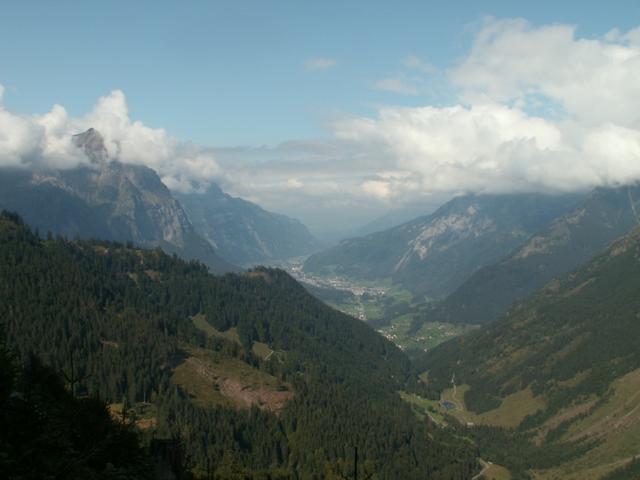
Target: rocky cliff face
point(571, 239)
point(105, 199)
point(243, 232)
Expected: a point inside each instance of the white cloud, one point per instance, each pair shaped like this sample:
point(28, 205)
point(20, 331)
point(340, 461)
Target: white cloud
point(320, 64)
point(490, 148)
point(180, 165)
point(294, 183)
point(32, 141)
point(593, 80)
point(411, 61)
point(397, 85)
point(377, 188)
point(45, 141)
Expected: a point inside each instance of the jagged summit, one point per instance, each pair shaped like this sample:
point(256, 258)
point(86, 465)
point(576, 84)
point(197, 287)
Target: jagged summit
point(108, 200)
point(92, 143)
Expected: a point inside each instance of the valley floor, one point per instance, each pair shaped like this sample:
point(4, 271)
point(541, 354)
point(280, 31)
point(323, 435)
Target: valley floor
point(389, 308)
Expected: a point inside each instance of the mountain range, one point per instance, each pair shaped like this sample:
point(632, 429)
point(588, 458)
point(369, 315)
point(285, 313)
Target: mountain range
point(570, 240)
point(243, 232)
point(111, 200)
point(432, 255)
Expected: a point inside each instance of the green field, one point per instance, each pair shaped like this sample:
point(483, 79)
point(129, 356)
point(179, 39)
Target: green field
point(259, 349)
point(513, 409)
point(396, 309)
point(429, 336)
point(424, 407)
point(201, 323)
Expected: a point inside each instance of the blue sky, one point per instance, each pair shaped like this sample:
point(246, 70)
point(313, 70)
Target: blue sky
point(224, 73)
point(334, 112)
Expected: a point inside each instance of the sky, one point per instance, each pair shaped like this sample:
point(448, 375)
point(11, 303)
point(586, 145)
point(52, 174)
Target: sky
point(334, 112)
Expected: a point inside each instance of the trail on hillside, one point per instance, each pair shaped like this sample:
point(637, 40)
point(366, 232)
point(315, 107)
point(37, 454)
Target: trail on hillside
point(485, 466)
point(633, 206)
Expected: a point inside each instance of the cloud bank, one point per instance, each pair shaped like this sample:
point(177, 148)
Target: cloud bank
point(538, 109)
point(44, 142)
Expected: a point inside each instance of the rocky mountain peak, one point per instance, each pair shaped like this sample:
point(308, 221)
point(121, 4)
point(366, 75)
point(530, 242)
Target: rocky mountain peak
point(92, 143)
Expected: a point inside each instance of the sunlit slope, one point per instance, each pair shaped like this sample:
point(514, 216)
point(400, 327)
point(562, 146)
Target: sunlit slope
point(569, 241)
point(564, 365)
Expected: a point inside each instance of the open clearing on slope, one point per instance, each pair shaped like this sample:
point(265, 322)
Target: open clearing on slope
point(211, 379)
point(616, 424)
point(510, 413)
point(143, 414)
point(423, 408)
point(496, 472)
point(259, 349)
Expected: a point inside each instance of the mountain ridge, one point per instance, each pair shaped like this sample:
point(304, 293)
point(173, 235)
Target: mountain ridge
point(243, 232)
point(433, 254)
point(106, 199)
point(604, 215)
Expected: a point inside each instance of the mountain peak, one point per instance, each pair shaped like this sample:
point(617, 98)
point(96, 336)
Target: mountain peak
point(92, 143)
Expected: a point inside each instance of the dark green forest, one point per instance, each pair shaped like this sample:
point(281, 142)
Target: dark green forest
point(117, 320)
point(49, 433)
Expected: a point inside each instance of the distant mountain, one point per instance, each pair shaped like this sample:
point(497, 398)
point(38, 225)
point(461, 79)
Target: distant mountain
point(392, 219)
point(562, 368)
point(570, 240)
point(434, 254)
point(105, 199)
point(244, 233)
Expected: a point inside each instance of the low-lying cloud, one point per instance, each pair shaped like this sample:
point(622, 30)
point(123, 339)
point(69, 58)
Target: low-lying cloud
point(45, 141)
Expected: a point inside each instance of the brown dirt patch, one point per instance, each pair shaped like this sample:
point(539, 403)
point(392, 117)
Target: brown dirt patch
point(247, 397)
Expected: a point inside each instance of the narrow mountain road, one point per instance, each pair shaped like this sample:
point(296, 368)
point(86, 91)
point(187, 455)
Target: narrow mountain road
point(454, 399)
point(633, 206)
point(485, 466)
point(454, 395)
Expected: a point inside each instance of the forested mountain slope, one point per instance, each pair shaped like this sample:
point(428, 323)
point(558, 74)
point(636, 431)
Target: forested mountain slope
point(606, 214)
point(140, 327)
point(563, 366)
point(432, 255)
